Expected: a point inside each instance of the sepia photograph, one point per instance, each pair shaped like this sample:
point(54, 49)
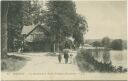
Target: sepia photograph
point(63, 40)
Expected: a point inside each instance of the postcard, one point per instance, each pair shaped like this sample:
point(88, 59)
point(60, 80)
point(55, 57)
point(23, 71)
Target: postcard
point(64, 40)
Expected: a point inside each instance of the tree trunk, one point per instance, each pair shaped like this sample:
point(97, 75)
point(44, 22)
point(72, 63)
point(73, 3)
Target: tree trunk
point(58, 48)
point(4, 13)
point(54, 47)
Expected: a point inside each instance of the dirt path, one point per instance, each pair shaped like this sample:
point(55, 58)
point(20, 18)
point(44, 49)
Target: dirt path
point(40, 62)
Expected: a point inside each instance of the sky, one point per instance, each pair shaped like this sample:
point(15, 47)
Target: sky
point(105, 18)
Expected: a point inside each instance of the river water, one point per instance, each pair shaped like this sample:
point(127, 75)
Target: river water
point(119, 58)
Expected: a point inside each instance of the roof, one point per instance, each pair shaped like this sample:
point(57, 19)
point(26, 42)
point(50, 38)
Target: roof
point(27, 29)
point(35, 35)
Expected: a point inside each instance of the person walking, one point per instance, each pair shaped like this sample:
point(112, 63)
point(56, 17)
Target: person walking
point(71, 58)
point(59, 58)
point(66, 56)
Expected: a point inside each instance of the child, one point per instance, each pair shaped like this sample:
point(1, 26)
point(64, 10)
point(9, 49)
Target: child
point(59, 58)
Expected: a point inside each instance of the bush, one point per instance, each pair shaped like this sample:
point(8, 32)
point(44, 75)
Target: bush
point(117, 44)
point(86, 62)
point(82, 60)
point(96, 44)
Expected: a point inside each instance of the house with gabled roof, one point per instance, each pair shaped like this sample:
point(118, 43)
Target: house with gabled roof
point(35, 35)
point(34, 38)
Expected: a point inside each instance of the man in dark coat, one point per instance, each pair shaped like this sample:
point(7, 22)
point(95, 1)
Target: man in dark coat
point(66, 56)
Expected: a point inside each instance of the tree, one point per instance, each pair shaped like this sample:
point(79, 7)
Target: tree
point(106, 42)
point(21, 13)
point(32, 12)
point(59, 20)
point(64, 22)
point(96, 44)
point(4, 14)
point(15, 14)
point(9, 11)
point(117, 44)
point(79, 29)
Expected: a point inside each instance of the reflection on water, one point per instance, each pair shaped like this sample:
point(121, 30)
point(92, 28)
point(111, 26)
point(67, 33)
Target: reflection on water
point(119, 58)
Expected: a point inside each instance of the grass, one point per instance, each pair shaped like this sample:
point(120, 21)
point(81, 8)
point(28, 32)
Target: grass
point(12, 63)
